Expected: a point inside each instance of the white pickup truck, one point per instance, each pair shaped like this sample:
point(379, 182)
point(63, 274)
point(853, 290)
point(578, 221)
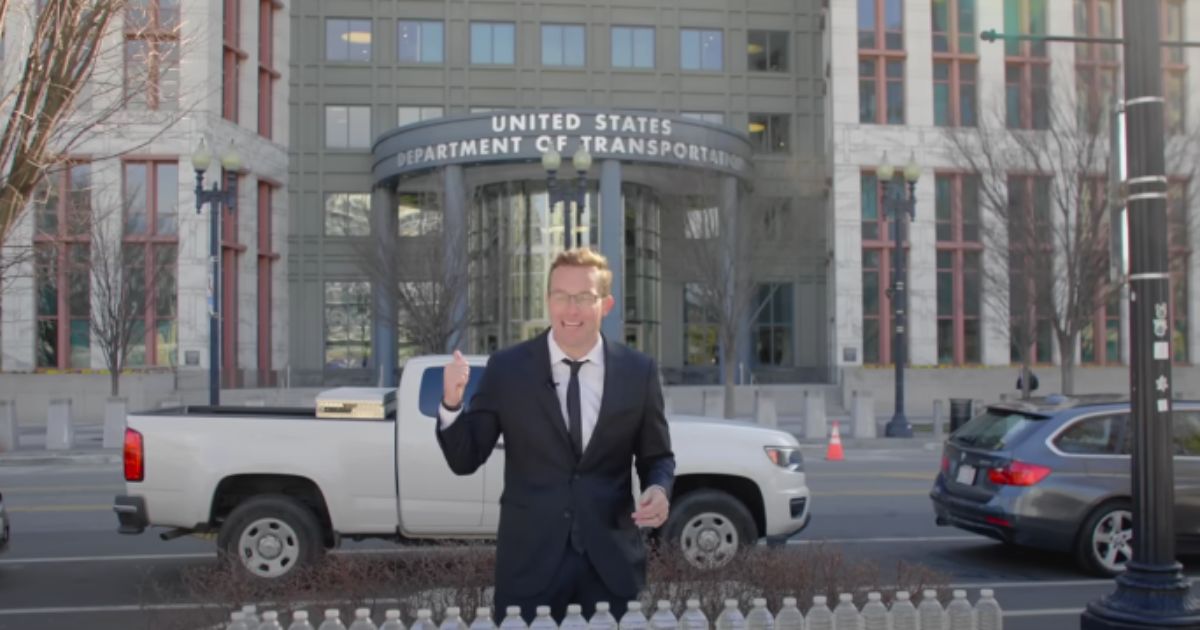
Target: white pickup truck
point(279, 487)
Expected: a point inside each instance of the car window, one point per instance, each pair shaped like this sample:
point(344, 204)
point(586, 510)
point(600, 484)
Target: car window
point(431, 388)
point(1098, 435)
point(1186, 430)
point(996, 429)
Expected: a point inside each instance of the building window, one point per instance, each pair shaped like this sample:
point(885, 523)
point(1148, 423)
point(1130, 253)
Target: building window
point(1030, 252)
point(701, 222)
point(701, 50)
point(1026, 66)
point(267, 74)
point(347, 40)
point(959, 251)
point(152, 54)
point(347, 127)
point(493, 43)
point(347, 214)
point(1174, 66)
point(1180, 227)
point(633, 47)
point(770, 133)
point(563, 45)
point(151, 243)
point(881, 62)
point(767, 51)
point(716, 118)
point(409, 114)
point(347, 324)
point(773, 324)
point(1096, 65)
point(700, 326)
point(232, 57)
point(62, 267)
point(418, 213)
point(420, 42)
point(955, 64)
point(267, 256)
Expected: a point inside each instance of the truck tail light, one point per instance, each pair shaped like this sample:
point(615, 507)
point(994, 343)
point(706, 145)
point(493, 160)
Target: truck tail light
point(135, 456)
point(1018, 474)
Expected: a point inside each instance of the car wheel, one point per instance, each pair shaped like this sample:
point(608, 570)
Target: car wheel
point(271, 537)
point(709, 528)
point(1105, 541)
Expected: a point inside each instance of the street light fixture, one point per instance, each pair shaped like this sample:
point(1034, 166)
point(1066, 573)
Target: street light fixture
point(218, 197)
point(900, 206)
point(567, 191)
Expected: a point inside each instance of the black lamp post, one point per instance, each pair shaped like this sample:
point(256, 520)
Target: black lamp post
point(567, 191)
point(201, 159)
point(900, 204)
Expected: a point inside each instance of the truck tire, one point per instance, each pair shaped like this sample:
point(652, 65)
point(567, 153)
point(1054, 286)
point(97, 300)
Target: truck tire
point(1105, 541)
point(709, 527)
point(271, 536)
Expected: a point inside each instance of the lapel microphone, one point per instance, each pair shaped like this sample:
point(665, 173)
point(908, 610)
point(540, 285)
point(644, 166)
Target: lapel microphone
point(551, 385)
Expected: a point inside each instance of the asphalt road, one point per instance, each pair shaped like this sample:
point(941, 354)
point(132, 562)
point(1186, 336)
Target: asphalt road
point(67, 566)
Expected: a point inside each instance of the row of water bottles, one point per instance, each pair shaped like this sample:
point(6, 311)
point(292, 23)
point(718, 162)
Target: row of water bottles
point(959, 614)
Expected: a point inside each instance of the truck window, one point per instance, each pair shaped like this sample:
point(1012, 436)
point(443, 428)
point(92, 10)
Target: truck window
point(431, 389)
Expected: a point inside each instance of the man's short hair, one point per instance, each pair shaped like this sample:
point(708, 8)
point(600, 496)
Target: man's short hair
point(584, 257)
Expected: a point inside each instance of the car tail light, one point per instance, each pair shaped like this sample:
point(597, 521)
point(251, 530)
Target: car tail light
point(946, 464)
point(1018, 474)
point(135, 456)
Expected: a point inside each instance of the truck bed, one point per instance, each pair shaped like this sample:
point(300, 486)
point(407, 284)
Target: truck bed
point(223, 411)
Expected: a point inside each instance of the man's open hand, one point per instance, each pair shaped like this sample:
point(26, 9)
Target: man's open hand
point(454, 380)
point(653, 508)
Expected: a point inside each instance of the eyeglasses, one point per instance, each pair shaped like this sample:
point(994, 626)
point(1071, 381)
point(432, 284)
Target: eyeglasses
point(560, 298)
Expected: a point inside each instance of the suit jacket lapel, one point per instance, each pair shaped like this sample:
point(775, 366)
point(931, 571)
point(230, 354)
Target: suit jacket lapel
point(545, 391)
point(612, 393)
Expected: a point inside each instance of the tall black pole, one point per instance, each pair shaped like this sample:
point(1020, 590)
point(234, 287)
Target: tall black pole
point(1152, 592)
point(900, 209)
point(214, 322)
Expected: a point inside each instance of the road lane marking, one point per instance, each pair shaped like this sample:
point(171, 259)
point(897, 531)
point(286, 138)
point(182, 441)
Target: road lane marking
point(923, 476)
point(871, 493)
point(66, 507)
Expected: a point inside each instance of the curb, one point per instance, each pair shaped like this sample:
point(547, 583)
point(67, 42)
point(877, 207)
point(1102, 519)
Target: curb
point(49, 458)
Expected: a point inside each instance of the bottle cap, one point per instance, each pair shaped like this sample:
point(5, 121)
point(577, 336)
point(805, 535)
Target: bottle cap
point(634, 607)
point(512, 610)
point(483, 611)
point(874, 596)
point(902, 595)
point(789, 601)
point(759, 602)
point(424, 613)
point(574, 609)
point(930, 593)
point(331, 613)
point(959, 594)
point(300, 615)
point(270, 615)
point(453, 611)
point(664, 604)
point(249, 608)
point(987, 592)
point(731, 603)
point(845, 597)
point(362, 612)
point(542, 611)
point(819, 600)
point(391, 615)
point(693, 603)
point(602, 607)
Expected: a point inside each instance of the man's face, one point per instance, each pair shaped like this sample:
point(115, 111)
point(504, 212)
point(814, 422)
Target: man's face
point(576, 307)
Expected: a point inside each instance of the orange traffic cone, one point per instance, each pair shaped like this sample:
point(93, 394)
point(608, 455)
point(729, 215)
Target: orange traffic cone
point(834, 452)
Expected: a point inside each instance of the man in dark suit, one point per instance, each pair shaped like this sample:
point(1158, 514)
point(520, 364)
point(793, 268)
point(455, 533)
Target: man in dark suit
point(577, 411)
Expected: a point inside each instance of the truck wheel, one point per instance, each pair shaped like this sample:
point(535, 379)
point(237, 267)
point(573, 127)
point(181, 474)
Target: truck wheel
point(271, 536)
point(709, 527)
point(1105, 542)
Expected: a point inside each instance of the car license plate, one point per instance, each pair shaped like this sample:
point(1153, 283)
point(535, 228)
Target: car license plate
point(966, 475)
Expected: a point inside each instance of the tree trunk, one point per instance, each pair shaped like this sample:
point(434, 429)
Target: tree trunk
point(1067, 370)
point(1026, 376)
point(114, 377)
point(727, 378)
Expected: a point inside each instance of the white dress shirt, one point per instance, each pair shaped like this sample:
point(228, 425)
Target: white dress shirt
point(591, 387)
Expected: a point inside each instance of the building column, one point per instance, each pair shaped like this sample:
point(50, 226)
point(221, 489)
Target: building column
point(454, 251)
point(385, 232)
point(612, 245)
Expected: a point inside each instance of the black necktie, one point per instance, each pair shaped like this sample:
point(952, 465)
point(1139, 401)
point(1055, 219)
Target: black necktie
point(574, 411)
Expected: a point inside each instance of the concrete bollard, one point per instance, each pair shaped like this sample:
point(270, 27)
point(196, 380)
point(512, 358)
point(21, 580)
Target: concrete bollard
point(115, 410)
point(8, 425)
point(864, 415)
point(764, 409)
point(714, 404)
point(939, 411)
point(815, 424)
point(60, 435)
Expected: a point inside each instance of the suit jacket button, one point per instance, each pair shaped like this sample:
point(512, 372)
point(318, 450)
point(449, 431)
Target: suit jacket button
point(575, 476)
point(567, 514)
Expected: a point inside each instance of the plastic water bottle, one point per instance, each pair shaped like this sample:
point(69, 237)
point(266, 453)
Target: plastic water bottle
point(904, 614)
point(789, 617)
point(252, 620)
point(602, 619)
point(391, 621)
point(237, 621)
point(483, 619)
point(819, 616)
point(633, 618)
point(930, 612)
point(693, 618)
point(959, 612)
point(362, 620)
point(846, 615)
point(987, 611)
point(574, 619)
point(731, 618)
point(512, 619)
point(425, 620)
point(542, 621)
point(759, 618)
point(874, 613)
point(300, 621)
point(333, 621)
point(270, 621)
point(664, 618)
point(453, 620)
